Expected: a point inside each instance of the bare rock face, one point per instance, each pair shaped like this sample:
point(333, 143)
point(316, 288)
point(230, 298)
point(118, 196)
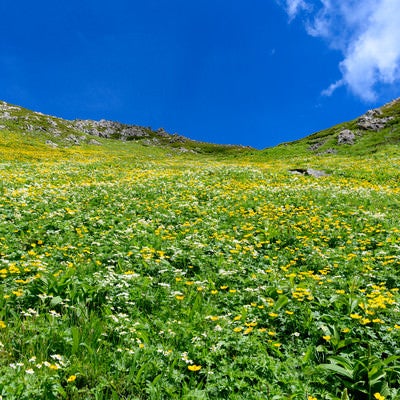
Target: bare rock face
point(372, 120)
point(94, 142)
point(73, 139)
point(346, 137)
point(110, 129)
point(308, 171)
point(51, 144)
point(317, 145)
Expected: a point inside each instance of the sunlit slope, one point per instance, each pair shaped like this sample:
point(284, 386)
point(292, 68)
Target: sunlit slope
point(376, 131)
point(131, 270)
point(29, 131)
point(136, 272)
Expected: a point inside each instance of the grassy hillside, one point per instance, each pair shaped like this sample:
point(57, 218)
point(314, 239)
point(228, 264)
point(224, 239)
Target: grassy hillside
point(131, 271)
point(28, 128)
point(366, 141)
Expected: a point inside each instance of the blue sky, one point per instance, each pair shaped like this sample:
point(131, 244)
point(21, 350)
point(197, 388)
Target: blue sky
point(254, 73)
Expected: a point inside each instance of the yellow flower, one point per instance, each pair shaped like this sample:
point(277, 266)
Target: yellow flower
point(378, 396)
point(2, 325)
point(238, 329)
point(194, 368)
point(179, 297)
point(365, 321)
point(71, 378)
point(273, 315)
point(311, 398)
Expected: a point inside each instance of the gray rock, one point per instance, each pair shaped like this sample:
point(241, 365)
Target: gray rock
point(329, 151)
point(317, 145)
point(73, 139)
point(51, 144)
point(308, 171)
point(6, 115)
point(346, 137)
point(94, 142)
point(110, 129)
point(372, 120)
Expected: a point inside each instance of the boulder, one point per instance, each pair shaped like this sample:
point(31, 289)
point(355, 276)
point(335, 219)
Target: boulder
point(372, 120)
point(51, 144)
point(317, 145)
point(73, 139)
point(346, 137)
point(308, 171)
point(94, 142)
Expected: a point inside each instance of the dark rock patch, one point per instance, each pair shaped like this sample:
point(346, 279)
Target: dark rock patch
point(346, 137)
point(308, 171)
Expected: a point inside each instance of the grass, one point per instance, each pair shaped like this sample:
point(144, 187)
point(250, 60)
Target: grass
point(130, 272)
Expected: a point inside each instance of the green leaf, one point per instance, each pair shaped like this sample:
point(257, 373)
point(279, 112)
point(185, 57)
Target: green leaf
point(345, 395)
point(338, 370)
point(56, 300)
point(281, 302)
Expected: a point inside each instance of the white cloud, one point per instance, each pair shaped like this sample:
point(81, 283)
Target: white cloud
point(294, 7)
point(332, 87)
point(366, 32)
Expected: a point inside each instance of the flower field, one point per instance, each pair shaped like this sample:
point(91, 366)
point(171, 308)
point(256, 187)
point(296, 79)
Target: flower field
point(128, 275)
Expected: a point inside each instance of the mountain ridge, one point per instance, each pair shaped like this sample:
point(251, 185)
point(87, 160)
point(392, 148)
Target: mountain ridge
point(59, 132)
point(370, 132)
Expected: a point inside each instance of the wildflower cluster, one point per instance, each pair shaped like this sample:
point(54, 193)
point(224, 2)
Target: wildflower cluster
point(125, 277)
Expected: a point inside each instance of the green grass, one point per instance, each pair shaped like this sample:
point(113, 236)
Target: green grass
point(130, 272)
point(144, 272)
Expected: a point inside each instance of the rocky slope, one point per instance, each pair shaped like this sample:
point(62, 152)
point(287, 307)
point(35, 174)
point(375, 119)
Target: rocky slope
point(368, 133)
point(57, 132)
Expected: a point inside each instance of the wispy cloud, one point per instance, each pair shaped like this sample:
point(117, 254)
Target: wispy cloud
point(294, 7)
point(367, 33)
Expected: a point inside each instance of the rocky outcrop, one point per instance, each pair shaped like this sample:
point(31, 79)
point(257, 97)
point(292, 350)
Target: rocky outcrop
point(373, 120)
point(110, 129)
point(346, 137)
point(51, 144)
point(79, 131)
point(308, 171)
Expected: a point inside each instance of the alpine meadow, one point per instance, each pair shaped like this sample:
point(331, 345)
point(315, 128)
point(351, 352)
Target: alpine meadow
point(135, 264)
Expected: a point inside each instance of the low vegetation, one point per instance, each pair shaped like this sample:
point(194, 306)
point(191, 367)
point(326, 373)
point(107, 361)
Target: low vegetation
point(137, 272)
